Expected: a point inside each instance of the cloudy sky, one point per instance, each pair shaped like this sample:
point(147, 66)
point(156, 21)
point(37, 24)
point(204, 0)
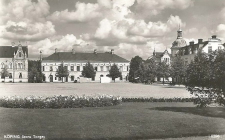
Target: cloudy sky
point(130, 27)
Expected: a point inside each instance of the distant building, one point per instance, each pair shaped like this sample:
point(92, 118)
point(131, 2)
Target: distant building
point(162, 56)
point(75, 61)
point(189, 52)
point(15, 58)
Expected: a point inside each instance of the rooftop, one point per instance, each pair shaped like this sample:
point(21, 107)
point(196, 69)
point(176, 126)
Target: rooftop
point(8, 51)
point(85, 57)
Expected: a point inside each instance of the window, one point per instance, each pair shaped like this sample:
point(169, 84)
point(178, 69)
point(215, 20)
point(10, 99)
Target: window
point(107, 68)
point(96, 68)
point(121, 68)
point(72, 68)
point(10, 75)
point(20, 54)
point(101, 68)
point(127, 68)
point(78, 68)
point(20, 75)
point(55, 78)
point(51, 69)
point(43, 68)
point(210, 49)
point(10, 65)
point(66, 67)
point(59, 67)
point(72, 78)
point(2, 65)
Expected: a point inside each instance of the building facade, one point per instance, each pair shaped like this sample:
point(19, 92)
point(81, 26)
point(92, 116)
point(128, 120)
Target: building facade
point(15, 59)
point(75, 61)
point(189, 52)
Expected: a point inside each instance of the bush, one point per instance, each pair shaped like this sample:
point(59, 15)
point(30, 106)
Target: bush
point(59, 101)
point(151, 99)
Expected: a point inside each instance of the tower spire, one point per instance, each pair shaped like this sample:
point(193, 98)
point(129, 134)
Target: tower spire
point(154, 52)
point(179, 33)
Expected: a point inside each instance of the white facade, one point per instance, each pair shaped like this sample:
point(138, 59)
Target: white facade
point(17, 65)
point(189, 52)
point(75, 70)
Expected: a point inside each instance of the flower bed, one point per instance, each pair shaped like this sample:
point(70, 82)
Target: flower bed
point(60, 101)
point(158, 99)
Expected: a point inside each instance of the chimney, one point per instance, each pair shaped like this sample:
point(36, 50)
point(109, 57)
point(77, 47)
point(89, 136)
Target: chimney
point(56, 50)
point(191, 43)
point(214, 36)
point(112, 51)
point(41, 55)
point(200, 41)
point(95, 51)
point(73, 51)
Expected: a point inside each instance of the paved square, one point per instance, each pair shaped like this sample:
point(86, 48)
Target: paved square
point(117, 89)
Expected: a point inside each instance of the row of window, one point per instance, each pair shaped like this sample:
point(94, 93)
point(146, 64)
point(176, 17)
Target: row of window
point(18, 66)
point(78, 68)
point(10, 76)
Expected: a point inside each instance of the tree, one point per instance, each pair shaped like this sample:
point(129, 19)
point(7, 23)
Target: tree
point(114, 72)
point(151, 69)
point(134, 66)
point(163, 70)
point(62, 72)
point(88, 71)
point(34, 71)
point(141, 73)
point(177, 69)
point(204, 78)
point(4, 72)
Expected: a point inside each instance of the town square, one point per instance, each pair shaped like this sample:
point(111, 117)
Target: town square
point(112, 69)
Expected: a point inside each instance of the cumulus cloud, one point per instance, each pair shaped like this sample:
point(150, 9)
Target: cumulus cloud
point(133, 31)
point(220, 31)
point(154, 7)
point(84, 12)
point(63, 43)
point(24, 20)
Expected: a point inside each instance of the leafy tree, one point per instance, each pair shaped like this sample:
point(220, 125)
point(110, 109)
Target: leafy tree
point(163, 70)
point(62, 72)
point(88, 71)
point(151, 69)
point(177, 69)
point(114, 72)
point(204, 78)
point(141, 73)
point(134, 66)
point(4, 72)
point(34, 71)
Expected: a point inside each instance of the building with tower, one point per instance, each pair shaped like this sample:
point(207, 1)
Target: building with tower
point(178, 43)
point(15, 59)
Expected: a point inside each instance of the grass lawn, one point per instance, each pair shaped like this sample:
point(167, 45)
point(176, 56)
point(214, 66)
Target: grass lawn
point(126, 121)
point(117, 89)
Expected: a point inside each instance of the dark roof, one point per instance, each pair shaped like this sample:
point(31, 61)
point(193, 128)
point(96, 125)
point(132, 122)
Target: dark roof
point(159, 54)
point(8, 51)
point(84, 57)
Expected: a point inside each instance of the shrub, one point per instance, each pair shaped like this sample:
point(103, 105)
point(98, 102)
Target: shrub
point(59, 101)
point(151, 99)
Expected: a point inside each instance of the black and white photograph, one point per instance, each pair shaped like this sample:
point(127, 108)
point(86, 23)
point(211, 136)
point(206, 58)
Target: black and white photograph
point(112, 70)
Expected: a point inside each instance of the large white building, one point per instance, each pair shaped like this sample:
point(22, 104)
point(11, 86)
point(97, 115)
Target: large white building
point(75, 61)
point(188, 52)
point(15, 58)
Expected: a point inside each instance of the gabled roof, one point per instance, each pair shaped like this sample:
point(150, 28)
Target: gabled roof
point(84, 57)
point(8, 51)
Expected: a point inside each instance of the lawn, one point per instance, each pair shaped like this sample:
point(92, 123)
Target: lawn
point(126, 121)
point(117, 89)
